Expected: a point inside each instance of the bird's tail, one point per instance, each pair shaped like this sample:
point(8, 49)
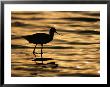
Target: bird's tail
point(25, 37)
point(28, 38)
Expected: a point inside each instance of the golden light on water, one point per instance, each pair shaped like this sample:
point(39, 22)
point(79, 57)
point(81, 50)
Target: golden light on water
point(76, 51)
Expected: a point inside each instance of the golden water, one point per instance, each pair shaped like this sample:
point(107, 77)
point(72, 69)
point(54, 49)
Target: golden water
point(77, 51)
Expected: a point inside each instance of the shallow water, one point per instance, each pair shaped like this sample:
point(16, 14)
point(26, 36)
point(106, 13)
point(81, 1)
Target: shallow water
point(76, 50)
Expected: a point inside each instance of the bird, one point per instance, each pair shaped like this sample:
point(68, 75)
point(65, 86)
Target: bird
point(40, 38)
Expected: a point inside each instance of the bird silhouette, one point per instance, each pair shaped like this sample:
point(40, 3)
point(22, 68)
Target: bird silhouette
point(40, 38)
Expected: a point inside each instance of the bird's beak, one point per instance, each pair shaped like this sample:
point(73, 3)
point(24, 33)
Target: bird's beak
point(58, 33)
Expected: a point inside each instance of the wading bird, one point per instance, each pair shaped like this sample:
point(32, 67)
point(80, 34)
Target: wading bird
point(40, 38)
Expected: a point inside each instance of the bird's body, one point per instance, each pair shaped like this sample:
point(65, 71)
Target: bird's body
point(40, 38)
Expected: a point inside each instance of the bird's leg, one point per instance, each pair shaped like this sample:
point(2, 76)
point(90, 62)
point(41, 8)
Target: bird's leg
point(34, 50)
point(41, 52)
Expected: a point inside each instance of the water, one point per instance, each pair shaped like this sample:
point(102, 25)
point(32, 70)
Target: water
point(77, 51)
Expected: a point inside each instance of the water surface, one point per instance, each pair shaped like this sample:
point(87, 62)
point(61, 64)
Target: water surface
point(77, 51)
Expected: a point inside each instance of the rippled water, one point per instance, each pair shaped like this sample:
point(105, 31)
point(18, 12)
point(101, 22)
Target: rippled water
point(77, 51)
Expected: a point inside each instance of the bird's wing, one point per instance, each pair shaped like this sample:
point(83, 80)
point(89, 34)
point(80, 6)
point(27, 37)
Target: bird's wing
point(40, 35)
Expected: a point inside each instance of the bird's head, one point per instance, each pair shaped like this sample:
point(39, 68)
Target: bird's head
point(52, 29)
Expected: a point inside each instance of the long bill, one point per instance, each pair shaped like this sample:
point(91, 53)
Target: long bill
point(59, 34)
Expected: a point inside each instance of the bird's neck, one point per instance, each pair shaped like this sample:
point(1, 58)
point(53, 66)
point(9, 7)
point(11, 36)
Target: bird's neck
point(51, 34)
